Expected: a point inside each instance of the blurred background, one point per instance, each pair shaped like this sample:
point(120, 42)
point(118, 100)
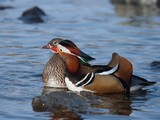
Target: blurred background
point(99, 28)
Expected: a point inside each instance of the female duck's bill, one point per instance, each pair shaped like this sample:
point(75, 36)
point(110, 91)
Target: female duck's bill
point(52, 45)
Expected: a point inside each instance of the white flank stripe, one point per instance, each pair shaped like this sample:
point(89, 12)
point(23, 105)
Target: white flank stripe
point(110, 71)
point(72, 87)
point(88, 80)
point(82, 80)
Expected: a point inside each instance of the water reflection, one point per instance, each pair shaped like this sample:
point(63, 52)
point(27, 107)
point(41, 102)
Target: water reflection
point(65, 114)
point(51, 104)
point(67, 106)
point(117, 104)
point(140, 22)
point(130, 8)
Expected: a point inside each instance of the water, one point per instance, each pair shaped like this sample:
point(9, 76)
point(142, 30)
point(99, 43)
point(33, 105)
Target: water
point(95, 27)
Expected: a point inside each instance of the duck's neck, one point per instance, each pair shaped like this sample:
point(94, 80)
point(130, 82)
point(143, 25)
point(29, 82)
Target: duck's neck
point(72, 63)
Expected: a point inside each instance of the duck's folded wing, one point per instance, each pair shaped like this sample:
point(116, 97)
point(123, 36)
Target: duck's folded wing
point(125, 69)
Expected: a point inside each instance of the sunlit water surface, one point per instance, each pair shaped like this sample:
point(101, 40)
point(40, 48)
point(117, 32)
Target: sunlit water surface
point(97, 29)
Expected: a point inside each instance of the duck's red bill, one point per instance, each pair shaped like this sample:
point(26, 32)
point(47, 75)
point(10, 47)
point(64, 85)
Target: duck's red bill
point(54, 49)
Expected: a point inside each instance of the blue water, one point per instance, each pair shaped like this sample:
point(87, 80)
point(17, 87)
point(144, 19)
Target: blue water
point(96, 27)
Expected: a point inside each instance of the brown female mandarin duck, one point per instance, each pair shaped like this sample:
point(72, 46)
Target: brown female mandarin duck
point(112, 78)
point(54, 71)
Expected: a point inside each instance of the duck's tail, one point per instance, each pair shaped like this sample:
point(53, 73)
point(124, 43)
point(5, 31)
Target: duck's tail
point(138, 83)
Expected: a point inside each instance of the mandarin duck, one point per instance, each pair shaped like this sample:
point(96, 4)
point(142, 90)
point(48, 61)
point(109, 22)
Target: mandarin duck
point(54, 72)
point(112, 78)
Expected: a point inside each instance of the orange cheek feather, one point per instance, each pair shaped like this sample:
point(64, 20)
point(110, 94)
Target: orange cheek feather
point(72, 64)
point(74, 51)
point(71, 61)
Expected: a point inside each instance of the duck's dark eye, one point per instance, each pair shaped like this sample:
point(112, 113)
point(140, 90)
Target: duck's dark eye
point(60, 50)
point(55, 43)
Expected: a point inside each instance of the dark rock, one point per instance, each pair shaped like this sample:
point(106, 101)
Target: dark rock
point(60, 100)
point(69, 105)
point(39, 105)
point(5, 7)
point(33, 15)
point(52, 104)
point(158, 3)
point(155, 64)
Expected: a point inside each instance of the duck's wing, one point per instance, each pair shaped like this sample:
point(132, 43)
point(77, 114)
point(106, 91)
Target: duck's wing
point(125, 69)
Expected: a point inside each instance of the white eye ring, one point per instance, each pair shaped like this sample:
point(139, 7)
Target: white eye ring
point(55, 43)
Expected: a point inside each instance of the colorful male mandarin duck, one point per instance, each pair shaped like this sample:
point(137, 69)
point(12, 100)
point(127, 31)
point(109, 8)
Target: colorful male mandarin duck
point(112, 78)
point(54, 71)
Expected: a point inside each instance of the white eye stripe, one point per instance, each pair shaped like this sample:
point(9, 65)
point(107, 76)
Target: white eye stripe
point(65, 50)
